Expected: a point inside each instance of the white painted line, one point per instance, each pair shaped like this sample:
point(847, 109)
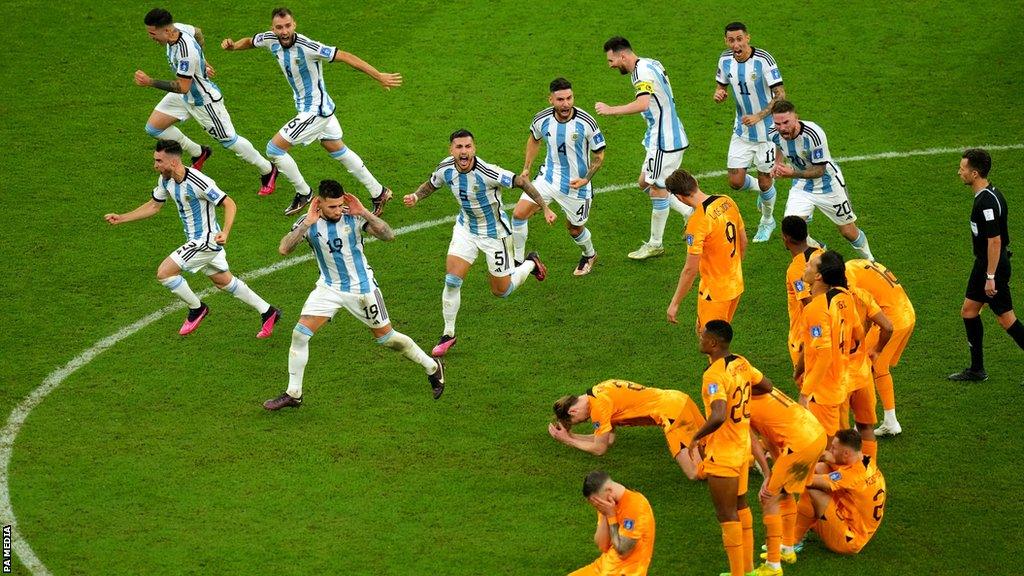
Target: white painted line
point(17, 418)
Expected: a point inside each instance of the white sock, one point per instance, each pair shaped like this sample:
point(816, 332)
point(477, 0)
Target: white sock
point(519, 276)
point(860, 244)
point(889, 416)
point(813, 243)
point(584, 242)
point(287, 166)
point(774, 565)
point(244, 150)
point(749, 183)
point(787, 549)
point(766, 203)
point(677, 205)
point(241, 290)
point(179, 287)
point(298, 355)
point(402, 343)
point(451, 299)
point(520, 230)
point(354, 164)
point(659, 216)
point(172, 133)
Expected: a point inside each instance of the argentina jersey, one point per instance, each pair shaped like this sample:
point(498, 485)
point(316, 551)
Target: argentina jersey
point(302, 64)
point(197, 198)
point(810, 147)
point(664, 128)
point(187, 61)
point(569, 145)
point(752, 81)
point(478, 193)
point(338, 247)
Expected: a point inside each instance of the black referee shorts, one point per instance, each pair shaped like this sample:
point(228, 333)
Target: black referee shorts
point(1002, 302)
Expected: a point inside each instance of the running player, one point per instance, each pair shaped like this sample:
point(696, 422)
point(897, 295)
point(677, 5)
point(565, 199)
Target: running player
point(716, 244)
point(798, 292)
point(665, 139)
point(482, 226)
point(196, 197)
point(575, 152)
point(301, 60)
point(625, 528)
point(756, 86)
point(333, 227)
point(615, 403)
point(192, 93)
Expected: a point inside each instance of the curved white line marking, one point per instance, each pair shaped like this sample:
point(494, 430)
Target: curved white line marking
point(22, 410)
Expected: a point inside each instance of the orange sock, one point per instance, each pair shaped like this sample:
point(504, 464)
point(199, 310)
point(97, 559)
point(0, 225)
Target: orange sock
point(870, 448)
point(787, 509)
point(732, 539)
point(773, 530)
point(804, 518)
point(883, 383)
point(747, 523)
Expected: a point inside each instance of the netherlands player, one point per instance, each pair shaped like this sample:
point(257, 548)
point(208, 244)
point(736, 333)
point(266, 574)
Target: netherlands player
point(716, 244)
point(192, 93)
point(625, 528)
point(333, 227)
point(482, 226)
point(196, 197)
point(665, 139)
point(756, 85)
point(615, 403)
point(575, 152)
point(860, 386)
point(798, 292)
point(301, 60)
point(817, 180)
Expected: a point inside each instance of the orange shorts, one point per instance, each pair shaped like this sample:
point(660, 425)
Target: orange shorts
point(794, 468)
point(708, 310)
point(890, 355)
point(827, 414)
point(604, 567)
point(862, 402)
point(679, 438)
point(835, 534)
point(708, 468)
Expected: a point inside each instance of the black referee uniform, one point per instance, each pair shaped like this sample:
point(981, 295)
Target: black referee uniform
point(988, 220)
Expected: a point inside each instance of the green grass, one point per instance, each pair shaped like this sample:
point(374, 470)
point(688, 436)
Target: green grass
point(155, 458)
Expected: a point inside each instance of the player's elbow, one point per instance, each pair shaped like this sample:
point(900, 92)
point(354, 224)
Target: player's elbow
point(599, 449)
point(284, 249)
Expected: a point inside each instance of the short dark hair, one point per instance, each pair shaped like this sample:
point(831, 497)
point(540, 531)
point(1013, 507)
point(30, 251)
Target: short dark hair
point(169, 147)
point(978, 159)
point(617, 44)
point(331, 189)
point(560, 84)
point(681, 183)
point(594, 482)
point(460, 133)
point(562, 406)
point(850, 438)
point(795, 227)
point(280, 13)
point(158, 17)
point(734, 26)
point(832, 268)
point(783, 106)
point(720, 329)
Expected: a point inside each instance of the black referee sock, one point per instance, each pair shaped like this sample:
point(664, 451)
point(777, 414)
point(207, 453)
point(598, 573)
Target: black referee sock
point(1017, 332)
point(975, 332)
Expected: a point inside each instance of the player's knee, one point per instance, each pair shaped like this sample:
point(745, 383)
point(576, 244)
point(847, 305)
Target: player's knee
point(574, 231)
point(736, 181)
point(452, 281)
point(273, 150)
point(228, 143)
point(153, 131)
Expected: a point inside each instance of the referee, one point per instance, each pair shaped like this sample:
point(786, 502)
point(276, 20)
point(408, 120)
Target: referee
point(990, 277)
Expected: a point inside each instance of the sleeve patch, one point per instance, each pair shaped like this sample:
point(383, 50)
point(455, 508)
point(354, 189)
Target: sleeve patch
point(689, 239)
point(817, 154)
point(776, 74)
point(212, 195)
point(816, 331)
point(712, 389)
point(628, 524)
point(798, 285)
point(597, 425)
point(598, 138)
point(644, 86)
point(183, 66)
point(506, 180)
point(325, 51)
point(835, 476)
point(989, 214)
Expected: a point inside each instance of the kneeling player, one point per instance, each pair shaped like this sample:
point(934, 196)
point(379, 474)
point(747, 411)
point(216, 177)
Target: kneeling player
point(625, 528)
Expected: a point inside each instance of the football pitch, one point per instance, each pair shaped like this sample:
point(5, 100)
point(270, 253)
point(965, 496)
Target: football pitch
point(132, 450)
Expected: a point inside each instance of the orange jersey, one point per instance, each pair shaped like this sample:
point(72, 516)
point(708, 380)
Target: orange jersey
point(713, 232)
point(881, 283)
point(831, 327)
point(797, 289)
point(729, 379)
point(636, 521)
point(859, 373)
point(858, 491)
point(624, 403)
point(783, 423)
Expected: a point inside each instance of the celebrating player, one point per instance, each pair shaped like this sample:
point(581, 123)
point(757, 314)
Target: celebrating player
point(301, 60)
point(756, 85)
point(665, 139)
point(575, 152)
point(798, 292)
point(614, 403)
point(192, 93)
point(482, 226)
point(625, 528)
point(333, 227)
point(196, 196)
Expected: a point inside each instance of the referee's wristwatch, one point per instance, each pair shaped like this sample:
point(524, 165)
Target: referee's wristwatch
point(990, 276)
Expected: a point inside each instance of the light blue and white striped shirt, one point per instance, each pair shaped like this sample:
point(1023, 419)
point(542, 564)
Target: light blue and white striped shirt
point(338, 247)
point(752, 81)
point(187, 61)
point(302, 64)
point(664, 128)
point(197, 198)
point(478, 193)
point(569, 145)
point(810, 147)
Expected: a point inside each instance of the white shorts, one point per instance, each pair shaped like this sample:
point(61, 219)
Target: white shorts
point(465, 245)
point(308, 127)
point(212, 116)
point(743, 153)
point(325, 301)
point(659, 165)
point(196, 256)
point(576, 210)
point(835, 205)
